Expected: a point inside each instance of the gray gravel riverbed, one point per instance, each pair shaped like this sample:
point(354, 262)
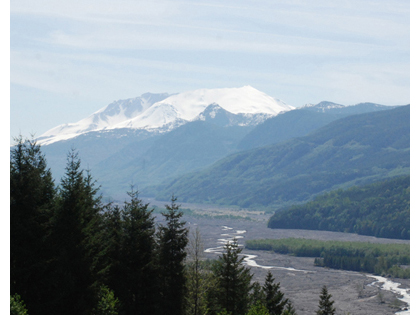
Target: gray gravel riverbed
point(301, 281)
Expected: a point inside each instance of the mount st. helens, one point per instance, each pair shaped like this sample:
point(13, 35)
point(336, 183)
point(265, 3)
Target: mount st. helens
point(164, 112)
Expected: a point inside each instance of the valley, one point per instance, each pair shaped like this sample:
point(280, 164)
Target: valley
point(353, 292)
point(254, 154)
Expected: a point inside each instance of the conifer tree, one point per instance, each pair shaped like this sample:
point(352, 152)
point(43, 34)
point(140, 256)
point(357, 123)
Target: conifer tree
point(325, 306)
point(273, 296)
point(172, 242)
point(112, 239)
point(75, 231)
point(137, 272)
point(198, 279)
point(257, 294)
point(32, 195)
point(233, 281)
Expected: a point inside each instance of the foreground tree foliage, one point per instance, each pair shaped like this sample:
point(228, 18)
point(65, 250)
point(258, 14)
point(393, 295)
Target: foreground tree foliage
point(325, 306)
point(75, 240)
point(32, 196)
point(274, 298)
point(198, 275)
point(17, 306)
point(138, 246)
point(258, 309)
point(108, 304)
point(172, 242)
point(233, 281)
point(73, 254)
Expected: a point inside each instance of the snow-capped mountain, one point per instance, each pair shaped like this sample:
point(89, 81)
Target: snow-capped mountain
point(163, 112)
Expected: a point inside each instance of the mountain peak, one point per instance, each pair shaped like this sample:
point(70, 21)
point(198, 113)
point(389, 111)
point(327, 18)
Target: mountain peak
point(163, 112)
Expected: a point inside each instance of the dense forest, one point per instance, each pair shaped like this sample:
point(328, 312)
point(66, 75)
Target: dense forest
point(382, 259)
point(72, 253)
point(381, 209)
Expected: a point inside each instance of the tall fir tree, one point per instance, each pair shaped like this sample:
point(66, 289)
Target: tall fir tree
point(257, 294)
point(172, 242)
point(325, 306)
point(137, 270)
point(112, 239)
point(75, 230)
point(198, 278)
point(274, 298)
point(32, 195)
point(233, 282)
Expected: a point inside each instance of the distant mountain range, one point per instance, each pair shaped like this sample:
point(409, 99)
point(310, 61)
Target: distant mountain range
point(153, 139)
point(354, 150)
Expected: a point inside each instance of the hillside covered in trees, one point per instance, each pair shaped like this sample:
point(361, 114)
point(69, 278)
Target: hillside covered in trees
point(354, 150)
point(381, 209)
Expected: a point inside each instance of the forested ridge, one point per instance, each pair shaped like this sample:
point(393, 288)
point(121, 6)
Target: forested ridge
point(381, 209)
point(354, 150)
point(73, 253)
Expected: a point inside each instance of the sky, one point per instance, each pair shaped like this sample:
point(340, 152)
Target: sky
point(68, 59)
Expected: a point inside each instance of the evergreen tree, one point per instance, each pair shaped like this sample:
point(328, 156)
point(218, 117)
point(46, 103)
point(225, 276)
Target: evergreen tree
point(325, 306)
point(112, 239)
point(198, 280)
point(76, 227)
point(172, 242)
point(32, 195)
point(273, 296)
point(137, 272)
point(233, 281)
point(257, 294)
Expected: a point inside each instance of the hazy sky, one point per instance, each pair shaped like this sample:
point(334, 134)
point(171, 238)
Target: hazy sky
point(71, 58)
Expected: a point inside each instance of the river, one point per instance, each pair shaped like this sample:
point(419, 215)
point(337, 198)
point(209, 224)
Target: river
point(229, 234)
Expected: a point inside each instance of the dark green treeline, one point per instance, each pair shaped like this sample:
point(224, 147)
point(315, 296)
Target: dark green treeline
point(381, 209)
point(71, 253)
point(382, 259)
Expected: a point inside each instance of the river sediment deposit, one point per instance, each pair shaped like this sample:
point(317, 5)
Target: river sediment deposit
point(354, 293)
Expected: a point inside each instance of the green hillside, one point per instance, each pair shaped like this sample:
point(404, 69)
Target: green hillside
point(150, 161)
point(350, 151)
point(299, 122)
point(380, 209)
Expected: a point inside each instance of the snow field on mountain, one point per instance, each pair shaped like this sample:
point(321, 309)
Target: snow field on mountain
point(161, 111)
